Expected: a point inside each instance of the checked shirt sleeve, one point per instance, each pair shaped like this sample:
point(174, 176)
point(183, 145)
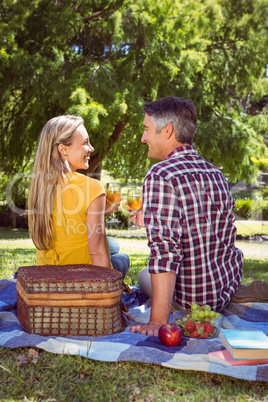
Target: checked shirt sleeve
point(162, 221)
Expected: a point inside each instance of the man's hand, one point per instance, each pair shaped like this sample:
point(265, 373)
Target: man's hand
point(139, 216)
point(150, 329)
point(163, 285)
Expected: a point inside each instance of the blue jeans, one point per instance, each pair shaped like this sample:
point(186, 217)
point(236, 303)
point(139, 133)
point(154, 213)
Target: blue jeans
point(120, 261)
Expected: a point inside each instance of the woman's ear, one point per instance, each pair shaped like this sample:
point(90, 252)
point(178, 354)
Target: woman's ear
point(62, 150)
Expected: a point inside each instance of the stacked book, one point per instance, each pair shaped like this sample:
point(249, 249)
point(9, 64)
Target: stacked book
point(243, 347)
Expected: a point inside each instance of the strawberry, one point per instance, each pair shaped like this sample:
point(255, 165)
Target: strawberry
point(209, 328)
point(199, 325)
point(189, 326)
point(205, 335)
point(200, 328)
point(193, 334)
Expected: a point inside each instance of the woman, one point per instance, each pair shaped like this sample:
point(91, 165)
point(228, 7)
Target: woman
point(66, 209)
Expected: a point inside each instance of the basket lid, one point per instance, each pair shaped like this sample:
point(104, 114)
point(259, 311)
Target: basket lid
point(79, 277)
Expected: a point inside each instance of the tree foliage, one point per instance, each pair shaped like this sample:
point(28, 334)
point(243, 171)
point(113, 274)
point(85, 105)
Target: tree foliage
point(103, 58)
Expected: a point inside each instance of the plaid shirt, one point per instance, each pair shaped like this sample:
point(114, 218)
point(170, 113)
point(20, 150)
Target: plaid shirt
point(189, 219)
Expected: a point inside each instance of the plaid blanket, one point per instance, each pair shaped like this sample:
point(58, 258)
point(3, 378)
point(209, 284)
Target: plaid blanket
point(191, 354)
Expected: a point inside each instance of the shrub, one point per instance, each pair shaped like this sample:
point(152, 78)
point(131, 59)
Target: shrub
point(14, 190)
point(20, 191)
point(256, 209)
point(243, 208)
point(265, 192)
point(122, 215)
point(252, 193)
point(262, 164)
point(265, 211)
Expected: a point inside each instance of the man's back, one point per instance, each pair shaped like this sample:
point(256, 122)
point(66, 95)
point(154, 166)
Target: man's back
point(188, 214)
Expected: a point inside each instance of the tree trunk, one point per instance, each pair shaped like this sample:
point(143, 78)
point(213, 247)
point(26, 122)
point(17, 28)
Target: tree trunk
point(97, 172)
point(14, 221)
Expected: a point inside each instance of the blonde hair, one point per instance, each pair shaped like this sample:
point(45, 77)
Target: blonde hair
point(49, 171)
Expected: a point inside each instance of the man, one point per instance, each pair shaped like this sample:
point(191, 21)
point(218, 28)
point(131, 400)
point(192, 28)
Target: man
point(188, 215)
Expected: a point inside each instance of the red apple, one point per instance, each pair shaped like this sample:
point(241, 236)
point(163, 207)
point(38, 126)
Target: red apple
point(170, 335)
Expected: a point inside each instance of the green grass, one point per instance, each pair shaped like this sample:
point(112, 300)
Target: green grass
point(16, 249)
point(250, 228)
point(74, 378)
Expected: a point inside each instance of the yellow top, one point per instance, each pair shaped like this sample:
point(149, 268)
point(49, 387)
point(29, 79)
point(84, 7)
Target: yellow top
point(69, 219)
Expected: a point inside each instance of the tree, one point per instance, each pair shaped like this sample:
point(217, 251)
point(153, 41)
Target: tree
point(212, 53)
point(103, 59)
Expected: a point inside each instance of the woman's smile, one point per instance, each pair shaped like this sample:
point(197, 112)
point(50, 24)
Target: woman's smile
point(78, 154)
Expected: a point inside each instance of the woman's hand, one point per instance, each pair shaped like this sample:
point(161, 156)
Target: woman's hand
point(109, 208)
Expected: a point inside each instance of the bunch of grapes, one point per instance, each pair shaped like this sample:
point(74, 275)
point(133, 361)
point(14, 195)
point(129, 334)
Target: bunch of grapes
point(200, 322)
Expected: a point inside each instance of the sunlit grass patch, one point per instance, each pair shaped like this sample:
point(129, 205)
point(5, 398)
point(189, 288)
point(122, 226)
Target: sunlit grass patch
point(14, 253)
point(250, 228)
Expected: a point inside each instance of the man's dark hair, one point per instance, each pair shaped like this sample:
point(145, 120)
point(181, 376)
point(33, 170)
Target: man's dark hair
point(180, 113)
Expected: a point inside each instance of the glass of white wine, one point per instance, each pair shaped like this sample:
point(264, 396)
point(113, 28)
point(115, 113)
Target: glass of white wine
point(134, 202)
point(113, 196)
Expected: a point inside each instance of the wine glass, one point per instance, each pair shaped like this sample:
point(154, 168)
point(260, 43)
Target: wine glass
point(113, 196)
point(134, 200)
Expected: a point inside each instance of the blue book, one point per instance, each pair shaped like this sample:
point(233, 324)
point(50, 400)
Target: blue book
point(245, 344)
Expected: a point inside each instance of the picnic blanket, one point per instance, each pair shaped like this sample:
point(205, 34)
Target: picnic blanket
point(191, 354)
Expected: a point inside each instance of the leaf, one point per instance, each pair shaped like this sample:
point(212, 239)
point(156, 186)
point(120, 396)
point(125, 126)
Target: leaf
point(32, 352)
point(33, 356)
point(22, 359)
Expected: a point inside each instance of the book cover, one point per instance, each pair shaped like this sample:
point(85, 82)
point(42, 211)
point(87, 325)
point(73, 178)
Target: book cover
point(225, 355)
point(245, 344)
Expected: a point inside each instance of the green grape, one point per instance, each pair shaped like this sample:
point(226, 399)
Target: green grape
point(217, 314)
point(207, 307)
point(212, 314)
point(194, 307)
point(206, 312)
point(201, 314)
point(195, 314)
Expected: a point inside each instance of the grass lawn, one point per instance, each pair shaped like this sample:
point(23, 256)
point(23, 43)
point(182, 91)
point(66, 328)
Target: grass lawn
point(249, 228)
point(244, 228)
point(73, 378)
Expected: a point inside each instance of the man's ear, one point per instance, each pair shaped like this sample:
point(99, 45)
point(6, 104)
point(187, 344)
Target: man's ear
point(168, 130)
point(62, 150)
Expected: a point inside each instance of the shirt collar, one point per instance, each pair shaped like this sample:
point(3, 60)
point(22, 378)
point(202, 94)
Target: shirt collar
point(182, 150)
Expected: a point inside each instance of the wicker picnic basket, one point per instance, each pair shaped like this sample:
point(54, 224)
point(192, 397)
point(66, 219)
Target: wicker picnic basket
point(70, 300)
